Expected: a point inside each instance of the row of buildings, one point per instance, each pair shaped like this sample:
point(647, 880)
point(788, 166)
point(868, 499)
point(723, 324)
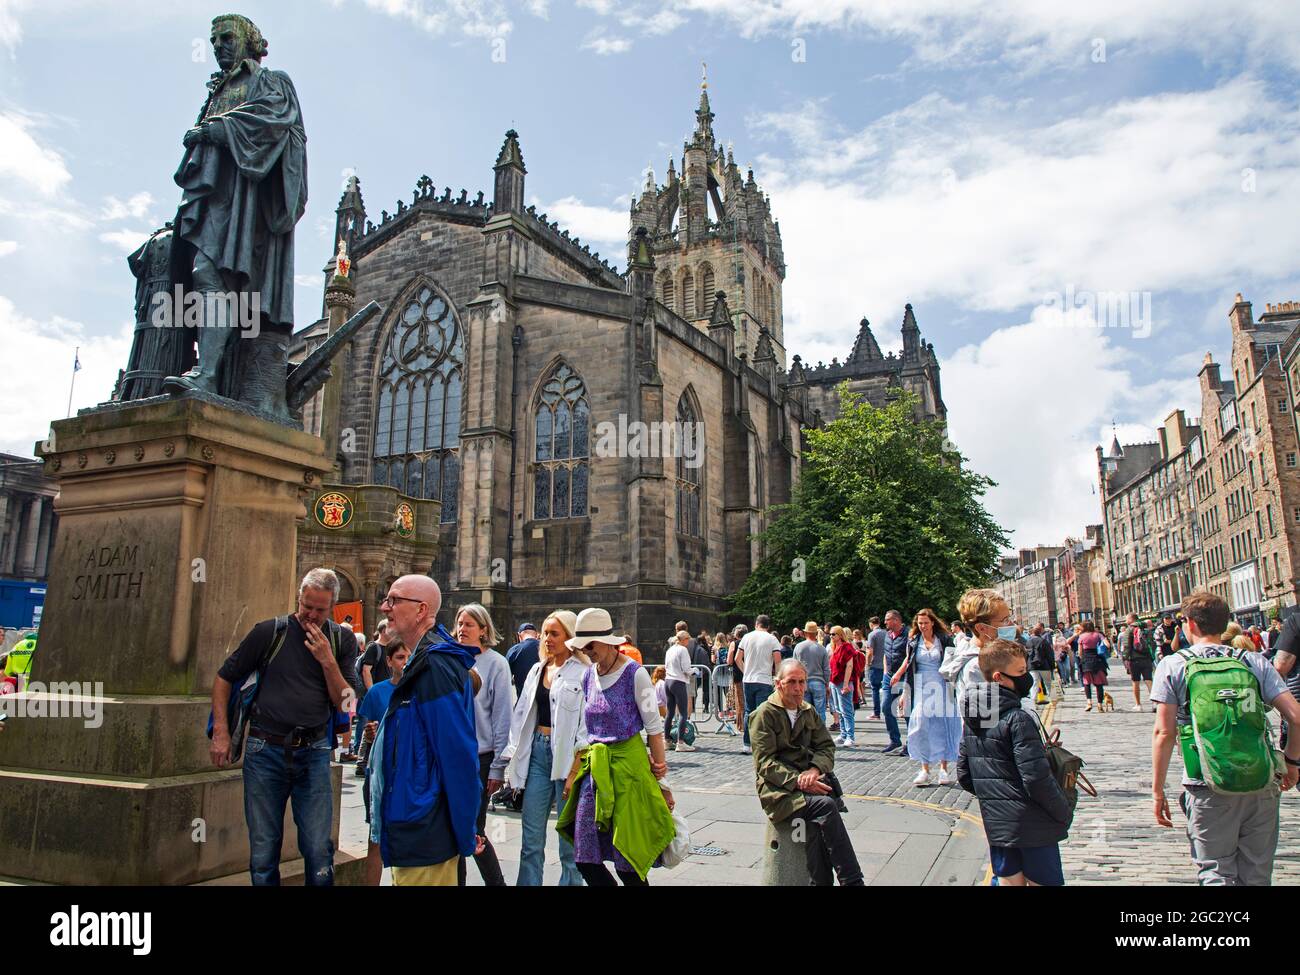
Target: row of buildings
point(1061, 583)
point(1215, 503)
point(1212, 502)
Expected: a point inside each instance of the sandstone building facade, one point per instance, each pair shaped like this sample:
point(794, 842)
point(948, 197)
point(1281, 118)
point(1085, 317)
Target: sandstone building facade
point(1249, 483)
point(1151, 527)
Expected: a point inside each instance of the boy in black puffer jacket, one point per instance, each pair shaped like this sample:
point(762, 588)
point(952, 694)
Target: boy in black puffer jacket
point(1025, 812)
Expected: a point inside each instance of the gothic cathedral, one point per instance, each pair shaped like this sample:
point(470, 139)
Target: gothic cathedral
point(537, 430)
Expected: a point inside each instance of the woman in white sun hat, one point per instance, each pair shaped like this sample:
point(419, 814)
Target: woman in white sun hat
point(615, 812)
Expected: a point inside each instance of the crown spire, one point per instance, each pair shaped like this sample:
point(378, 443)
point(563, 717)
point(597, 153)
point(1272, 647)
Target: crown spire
point(704, 114)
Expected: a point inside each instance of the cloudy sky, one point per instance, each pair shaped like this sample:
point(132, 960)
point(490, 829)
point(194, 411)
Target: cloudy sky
point(995, 164)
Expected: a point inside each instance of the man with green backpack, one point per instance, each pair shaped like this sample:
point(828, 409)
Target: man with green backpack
point(1213, 703)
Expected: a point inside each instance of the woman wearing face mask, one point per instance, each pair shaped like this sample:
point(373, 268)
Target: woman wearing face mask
point(987, 615)
point(546, 731)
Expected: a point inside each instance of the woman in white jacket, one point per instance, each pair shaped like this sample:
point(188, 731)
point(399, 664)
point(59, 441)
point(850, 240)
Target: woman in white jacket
point(546, 730)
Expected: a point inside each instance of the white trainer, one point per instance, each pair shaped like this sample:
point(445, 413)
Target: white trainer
point(946, 777)
point(922, 777)
point(683, 747)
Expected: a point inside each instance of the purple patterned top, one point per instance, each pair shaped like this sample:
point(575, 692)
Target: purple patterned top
point(612, 714)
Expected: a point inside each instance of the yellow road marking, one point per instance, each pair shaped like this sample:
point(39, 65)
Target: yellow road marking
point(918, 804)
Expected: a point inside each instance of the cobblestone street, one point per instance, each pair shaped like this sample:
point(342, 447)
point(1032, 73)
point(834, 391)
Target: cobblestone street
point(1115, 839)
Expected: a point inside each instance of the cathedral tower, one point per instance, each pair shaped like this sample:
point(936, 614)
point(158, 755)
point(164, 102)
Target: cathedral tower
point(712, 231)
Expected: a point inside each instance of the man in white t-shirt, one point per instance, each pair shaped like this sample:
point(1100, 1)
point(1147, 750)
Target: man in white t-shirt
point(677, 667)
point(757, 656)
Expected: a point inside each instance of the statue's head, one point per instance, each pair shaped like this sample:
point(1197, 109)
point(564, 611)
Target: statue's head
point(234, 38)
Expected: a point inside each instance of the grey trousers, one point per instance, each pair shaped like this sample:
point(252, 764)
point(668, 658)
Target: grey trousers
point(1233, 838)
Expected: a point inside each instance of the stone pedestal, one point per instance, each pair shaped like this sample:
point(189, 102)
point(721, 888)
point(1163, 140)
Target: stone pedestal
point(177, 530)
point(785, 861)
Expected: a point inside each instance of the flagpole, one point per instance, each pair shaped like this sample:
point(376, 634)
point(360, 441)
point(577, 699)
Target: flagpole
point(76, 362)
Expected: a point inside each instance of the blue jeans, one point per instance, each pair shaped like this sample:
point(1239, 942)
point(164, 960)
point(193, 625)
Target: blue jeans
point(890, 695)
point(541, 794)
point(755, 694)
point(877, 678)
point(269, 782)
point(816, 696)
point(846, 711)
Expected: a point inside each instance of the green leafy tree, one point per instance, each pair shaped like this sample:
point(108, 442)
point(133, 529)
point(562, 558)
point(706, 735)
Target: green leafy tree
point(884, 516)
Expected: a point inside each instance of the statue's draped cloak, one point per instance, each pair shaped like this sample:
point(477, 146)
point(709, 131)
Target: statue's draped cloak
point(243, 196)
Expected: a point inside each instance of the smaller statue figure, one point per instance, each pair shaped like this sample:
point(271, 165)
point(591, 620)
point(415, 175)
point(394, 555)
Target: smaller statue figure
point(162, 345)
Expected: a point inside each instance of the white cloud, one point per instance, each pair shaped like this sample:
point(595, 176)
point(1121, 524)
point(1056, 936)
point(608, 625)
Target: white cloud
point(11, 31)
point(593, 224)
point(7, 247)
point(1033, 427)
point(474, 18)
point(600, 43)
point(24, 160)
point(125, 240)
point(978, 206)
point(43, 352)
point(308, 280)
point(975, 204)
point(1030, 33)
point(65, 217)
point(137, 207)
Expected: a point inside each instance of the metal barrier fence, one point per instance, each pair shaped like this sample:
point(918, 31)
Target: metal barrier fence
point(720, 687)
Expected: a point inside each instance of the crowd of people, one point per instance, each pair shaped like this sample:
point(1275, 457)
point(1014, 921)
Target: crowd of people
point(569, 722)
point(443, 723)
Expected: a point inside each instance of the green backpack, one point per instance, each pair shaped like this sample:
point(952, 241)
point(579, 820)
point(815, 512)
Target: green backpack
point(1228, 744)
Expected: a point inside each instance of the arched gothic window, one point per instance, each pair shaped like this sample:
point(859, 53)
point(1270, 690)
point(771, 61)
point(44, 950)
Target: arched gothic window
point(690, 469)
point(417, 422)
point(666, 291)
point(561, 447)
point(708, 288)
point(688, 295)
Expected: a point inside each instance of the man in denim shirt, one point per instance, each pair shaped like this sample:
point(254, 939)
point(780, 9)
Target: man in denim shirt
point(895, 653)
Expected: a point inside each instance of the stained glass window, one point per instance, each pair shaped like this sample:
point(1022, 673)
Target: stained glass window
point(561, 437)
point(417, 421)
point(690, 469)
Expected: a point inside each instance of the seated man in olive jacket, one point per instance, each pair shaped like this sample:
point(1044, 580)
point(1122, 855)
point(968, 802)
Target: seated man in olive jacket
point(793, 757)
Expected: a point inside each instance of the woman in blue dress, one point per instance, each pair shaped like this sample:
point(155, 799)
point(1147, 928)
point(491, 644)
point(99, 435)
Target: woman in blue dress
point(934, 728)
